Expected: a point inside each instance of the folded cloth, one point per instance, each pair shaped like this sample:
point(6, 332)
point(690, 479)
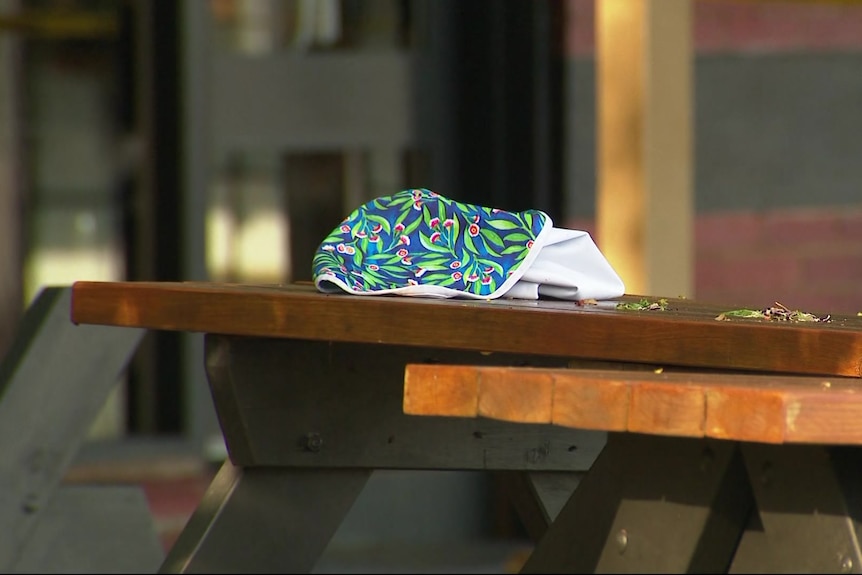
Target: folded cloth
point(419, 243)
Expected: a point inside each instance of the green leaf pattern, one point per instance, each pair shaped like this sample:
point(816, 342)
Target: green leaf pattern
point(417, 237)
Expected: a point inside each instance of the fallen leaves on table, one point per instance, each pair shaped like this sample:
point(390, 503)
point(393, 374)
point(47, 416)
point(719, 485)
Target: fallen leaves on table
point(644, 304)
point(777, 312)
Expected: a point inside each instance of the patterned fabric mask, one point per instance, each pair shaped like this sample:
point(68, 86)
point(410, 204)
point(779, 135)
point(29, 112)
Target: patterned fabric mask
point(419, 243)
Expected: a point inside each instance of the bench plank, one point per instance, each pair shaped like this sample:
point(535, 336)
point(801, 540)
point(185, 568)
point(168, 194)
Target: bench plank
point(767, 408)
point(93, 529)
point(686, 334)
point(53, 381)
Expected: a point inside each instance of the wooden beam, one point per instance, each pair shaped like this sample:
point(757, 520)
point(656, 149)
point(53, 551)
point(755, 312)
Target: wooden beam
point(762, 408)
point(644, 205)
point(13, 159)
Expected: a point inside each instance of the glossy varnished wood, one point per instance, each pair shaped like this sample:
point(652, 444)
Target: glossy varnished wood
point(686, 334)
point(766, 408)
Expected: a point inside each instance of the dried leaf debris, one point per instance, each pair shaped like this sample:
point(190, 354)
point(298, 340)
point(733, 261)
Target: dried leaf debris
point(644, 304)
point(777, 312)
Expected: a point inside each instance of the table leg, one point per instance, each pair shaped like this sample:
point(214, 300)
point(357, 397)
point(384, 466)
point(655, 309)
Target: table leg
point(651, 504)
point(809, 501)
point(538, 497)
point(265, 519)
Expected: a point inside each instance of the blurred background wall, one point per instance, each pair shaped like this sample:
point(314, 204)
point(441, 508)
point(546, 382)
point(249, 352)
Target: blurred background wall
point(777, 176)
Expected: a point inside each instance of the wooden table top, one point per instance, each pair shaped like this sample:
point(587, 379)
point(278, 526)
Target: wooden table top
point(686, 333)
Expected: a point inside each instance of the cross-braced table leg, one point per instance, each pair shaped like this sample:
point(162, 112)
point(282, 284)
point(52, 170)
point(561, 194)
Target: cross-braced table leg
point(809, 503)
point(265, 519)
point(651, 504)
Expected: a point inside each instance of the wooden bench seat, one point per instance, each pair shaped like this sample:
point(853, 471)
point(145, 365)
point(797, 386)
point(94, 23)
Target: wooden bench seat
point(767, 408)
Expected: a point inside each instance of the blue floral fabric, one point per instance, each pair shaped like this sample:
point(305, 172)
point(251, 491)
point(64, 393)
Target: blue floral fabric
point(421, 243)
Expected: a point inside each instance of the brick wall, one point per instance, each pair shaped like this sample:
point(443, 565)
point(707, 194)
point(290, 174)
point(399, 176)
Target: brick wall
point(805, 258)
point(744, 27)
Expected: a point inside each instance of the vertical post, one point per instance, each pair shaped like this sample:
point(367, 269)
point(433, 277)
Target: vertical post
point(489, 104)
point(11, 183)
point(644, 200)
point(197, 175)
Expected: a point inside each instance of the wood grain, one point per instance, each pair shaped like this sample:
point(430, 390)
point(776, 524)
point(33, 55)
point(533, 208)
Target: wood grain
point(686, 334)
point(766, 408)
point(452, 389)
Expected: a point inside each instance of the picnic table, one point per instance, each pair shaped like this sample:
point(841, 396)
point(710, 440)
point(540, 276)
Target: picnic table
point(727, 446)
